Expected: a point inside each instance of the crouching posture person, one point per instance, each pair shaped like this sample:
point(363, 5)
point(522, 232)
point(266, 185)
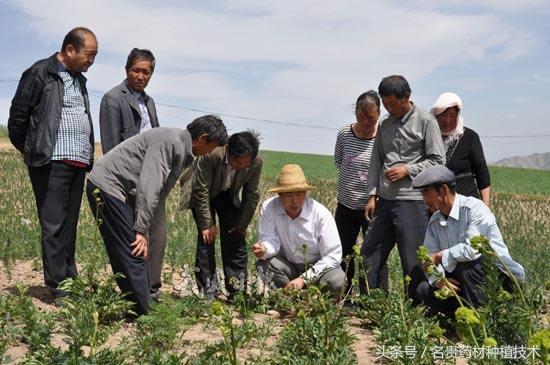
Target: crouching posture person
point(134, 180)
point(298, 242)
point(455, 221)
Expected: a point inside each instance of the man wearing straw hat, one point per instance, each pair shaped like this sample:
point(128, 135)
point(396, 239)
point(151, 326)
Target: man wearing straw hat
point(298, 242)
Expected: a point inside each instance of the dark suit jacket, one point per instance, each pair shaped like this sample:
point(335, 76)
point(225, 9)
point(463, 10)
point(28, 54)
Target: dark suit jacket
point(208, 179)
point(120, 117)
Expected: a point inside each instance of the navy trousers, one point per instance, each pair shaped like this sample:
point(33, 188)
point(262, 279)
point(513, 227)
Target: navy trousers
point(118, 233)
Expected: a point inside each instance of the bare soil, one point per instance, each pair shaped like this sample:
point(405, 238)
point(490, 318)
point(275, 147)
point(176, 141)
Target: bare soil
point(193, 339)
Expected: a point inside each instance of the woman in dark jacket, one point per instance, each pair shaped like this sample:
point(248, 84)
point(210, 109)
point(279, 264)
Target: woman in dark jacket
point(464, 153)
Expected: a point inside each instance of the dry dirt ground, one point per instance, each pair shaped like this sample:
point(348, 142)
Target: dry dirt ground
point(5, 144)
point(194, 338)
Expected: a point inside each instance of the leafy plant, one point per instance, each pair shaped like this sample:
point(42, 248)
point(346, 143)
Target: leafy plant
point(91, 311)
point(319, 335)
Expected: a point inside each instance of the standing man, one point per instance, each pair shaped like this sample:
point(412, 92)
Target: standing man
point(50, 124)
point(408, 141)
point(298, 242)
point(219, 179)
point(126, 110)
point(132, 182)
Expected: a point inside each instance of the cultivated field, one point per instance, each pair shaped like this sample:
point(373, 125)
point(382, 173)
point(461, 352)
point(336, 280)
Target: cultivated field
point(275, 328)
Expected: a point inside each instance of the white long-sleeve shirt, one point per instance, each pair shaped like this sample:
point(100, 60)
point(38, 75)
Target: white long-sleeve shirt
point(314, 227)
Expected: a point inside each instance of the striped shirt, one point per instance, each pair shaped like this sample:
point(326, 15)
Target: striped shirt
point(73, 135)
point(352, 157)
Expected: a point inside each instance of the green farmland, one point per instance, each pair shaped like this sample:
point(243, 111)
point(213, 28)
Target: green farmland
point(263, 328)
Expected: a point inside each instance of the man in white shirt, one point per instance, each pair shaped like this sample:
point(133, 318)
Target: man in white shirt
point(298, 242)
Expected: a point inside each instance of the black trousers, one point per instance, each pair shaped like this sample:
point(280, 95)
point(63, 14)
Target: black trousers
point(471, 277)
point(395, 221)
point(233, 250)
point(58, 191)
point(349, 222)
point(117, 230)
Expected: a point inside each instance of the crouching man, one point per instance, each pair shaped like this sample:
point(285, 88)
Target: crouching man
point(134, 180)
point(455, 221)
point(298, 242)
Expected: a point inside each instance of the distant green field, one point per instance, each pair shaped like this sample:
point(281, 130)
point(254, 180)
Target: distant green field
point(3, 131)
point(504, 179)
point(314, 166)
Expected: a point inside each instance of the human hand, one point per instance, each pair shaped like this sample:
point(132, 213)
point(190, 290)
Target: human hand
point(139, 245)
point(396, 173)
point(437, 257)
point(259, 249)
point(236, 230)
point(450, 283)
point(370, 207)
point(297, 283)
point(209, 235)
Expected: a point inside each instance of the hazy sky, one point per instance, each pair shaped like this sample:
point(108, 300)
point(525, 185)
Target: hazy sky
point(305, 62)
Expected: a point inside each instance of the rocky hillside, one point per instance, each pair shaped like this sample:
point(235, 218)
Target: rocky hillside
point(539, 161)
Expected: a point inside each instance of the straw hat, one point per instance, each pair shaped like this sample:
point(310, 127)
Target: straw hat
point(291, 179)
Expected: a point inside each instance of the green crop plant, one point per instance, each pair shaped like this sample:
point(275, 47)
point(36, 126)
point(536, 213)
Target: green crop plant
point(523, 219)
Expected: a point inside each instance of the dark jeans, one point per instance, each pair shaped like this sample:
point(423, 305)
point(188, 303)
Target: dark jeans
point(117, 230)
point(233, 250)
point(349, 222)
point(58, 192)
point(471, 277)
point(395, 221)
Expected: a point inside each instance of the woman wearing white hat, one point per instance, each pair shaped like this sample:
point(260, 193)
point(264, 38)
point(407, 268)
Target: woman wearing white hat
point(464, 153)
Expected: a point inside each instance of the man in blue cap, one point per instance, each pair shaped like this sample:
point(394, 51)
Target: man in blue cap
point(455, 220)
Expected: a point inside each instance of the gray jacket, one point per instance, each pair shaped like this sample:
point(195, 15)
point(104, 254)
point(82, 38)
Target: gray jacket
point(142, 171)
point(414, 141)
point(120, 117)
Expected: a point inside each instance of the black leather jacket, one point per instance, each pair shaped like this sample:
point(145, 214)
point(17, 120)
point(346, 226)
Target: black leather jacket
point(35, 111)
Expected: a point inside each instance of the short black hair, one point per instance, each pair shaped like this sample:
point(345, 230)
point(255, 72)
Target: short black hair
point(395, 85)
point(210, 125)
point(76, 38)
point(367, 98)
point(244, 144)
point(140, 54)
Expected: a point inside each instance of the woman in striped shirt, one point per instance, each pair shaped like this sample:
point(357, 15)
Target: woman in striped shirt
point(352, 154)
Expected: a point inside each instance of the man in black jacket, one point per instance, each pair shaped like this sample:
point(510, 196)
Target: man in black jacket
point(51, 125)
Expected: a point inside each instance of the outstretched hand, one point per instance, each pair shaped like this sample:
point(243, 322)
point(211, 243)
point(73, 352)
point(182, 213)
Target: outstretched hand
point(297, 283)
